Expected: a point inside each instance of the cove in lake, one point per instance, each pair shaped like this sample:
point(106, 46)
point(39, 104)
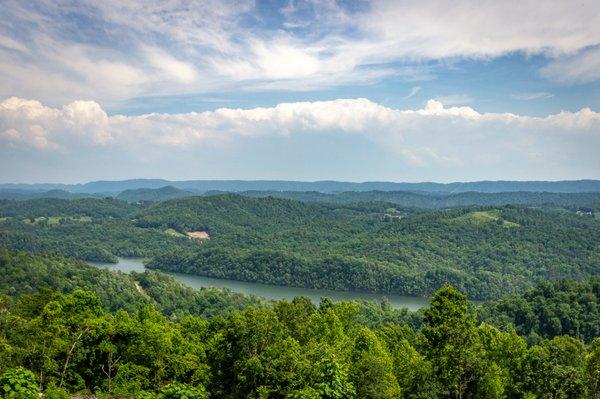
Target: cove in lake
point(270, 291)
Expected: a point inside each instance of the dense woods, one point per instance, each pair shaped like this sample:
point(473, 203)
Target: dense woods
point(485, 252)
point(439, 200)
point(88, 229)
point(559, 308)
point(414, 198)
point(68, 343)
point(67, 328)
point(24, 274)
point(148, 194)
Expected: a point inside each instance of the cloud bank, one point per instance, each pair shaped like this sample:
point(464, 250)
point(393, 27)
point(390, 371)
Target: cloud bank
point(460, 141)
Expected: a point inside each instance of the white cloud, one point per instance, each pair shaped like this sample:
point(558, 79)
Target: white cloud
point(454, 99)
point(582, 67)
point(442, 29)
point(134, 48)
point(458, 139)
point(413, 92)
point(528, 96)
point(172, 68)
point(31, 123)
point(12, 44)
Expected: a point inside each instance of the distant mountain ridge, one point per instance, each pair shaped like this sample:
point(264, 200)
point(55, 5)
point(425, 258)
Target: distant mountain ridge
point(202, 186)
point(405, 199)
point(430, 200)
point(21, 194)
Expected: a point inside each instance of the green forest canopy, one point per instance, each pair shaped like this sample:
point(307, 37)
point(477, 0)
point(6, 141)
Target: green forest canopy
point(486, 252)
point(64, 343)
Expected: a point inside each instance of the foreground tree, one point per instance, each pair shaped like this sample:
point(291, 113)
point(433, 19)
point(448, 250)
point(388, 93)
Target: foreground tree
point(593, 369)
point(556, 369)
point(450, 342)
point(372, 368)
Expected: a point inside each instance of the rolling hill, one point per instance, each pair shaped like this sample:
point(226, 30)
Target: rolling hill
point(202, 186)
point(152, 194)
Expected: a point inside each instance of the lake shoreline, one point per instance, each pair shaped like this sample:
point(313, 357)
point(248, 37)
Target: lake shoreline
point(268, 291)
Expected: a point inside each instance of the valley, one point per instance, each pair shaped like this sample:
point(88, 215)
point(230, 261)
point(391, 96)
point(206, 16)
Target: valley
point(271, 292)
point(295, 282)
point(487, 252)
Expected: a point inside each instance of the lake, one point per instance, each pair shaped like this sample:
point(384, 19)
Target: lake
point(269, 291)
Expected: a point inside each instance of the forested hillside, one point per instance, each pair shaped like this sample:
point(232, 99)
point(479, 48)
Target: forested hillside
point(412, 199)
point(24, 274)
point(88, 229)
point(550, 309)
point(17, 194)
point(46, 207)
point(68, 328)
point(67, 343)
point(149, 194)
point(486, 252)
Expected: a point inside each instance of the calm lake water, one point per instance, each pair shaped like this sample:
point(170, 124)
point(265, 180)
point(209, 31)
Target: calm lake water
point(270, 291)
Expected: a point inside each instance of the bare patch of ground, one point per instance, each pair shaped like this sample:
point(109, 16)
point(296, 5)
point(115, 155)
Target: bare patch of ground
point(198, 235)
point(140, 289)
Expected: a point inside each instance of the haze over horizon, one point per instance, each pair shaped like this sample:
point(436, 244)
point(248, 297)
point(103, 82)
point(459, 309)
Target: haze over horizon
point(299, 90)
point(169, 181)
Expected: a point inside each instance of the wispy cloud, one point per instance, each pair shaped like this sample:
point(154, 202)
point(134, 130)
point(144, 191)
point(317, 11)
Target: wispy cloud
point(112, 50)
point(582, 67)
point(413, 92)
point(528, 96)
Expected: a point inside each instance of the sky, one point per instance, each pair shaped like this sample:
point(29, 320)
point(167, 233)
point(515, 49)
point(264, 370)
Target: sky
point(299, 90)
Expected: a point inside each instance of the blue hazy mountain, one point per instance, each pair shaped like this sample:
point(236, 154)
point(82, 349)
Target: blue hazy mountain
point(202, 186)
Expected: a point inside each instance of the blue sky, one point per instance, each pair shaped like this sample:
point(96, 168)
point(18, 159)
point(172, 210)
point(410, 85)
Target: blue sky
point(357, 90)
point(510, 83)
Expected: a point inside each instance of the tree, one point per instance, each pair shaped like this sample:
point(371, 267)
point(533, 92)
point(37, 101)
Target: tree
point(295, 315)
point(592, 369)
point(503, 356)
point(332, 381)
point(450, 342)
point(556, 369)
point(372, 367)
point(80, 313)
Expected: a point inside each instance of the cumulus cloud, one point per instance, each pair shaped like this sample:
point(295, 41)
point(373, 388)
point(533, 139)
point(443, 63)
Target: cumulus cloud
point(454, 99)
point(454, 138)
point(31, 123)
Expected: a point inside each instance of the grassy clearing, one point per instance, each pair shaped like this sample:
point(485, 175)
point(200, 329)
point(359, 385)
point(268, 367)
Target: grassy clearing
point(478, 217)
point(483, 217)
point(174, 233)
point(54, 220)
